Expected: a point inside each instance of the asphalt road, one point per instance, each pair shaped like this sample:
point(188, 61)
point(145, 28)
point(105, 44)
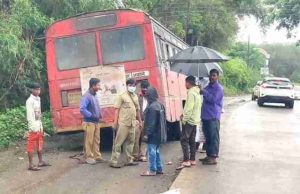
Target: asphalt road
point(67, 176)
point(260, 154)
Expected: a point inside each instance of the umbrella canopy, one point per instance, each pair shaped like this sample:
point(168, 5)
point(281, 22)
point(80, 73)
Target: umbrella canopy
point(196, 69)
point(198, 54)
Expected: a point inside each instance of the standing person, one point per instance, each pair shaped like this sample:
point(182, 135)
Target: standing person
point(35, 138)
point(190, 120)
point(127, 112)
point(90, 110)
point(211, 115)
point(139, 149)
point(152, 133)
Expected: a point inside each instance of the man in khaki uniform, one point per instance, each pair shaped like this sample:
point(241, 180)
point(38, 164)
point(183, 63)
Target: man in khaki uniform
point(126, 115)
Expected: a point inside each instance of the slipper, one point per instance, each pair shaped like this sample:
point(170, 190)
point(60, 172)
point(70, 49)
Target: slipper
point(147, 173)
point(44, 164)
point(180, 167)
point(159, 172)
point(34, 168)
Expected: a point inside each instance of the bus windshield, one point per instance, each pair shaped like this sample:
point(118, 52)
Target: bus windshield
point(122, 45)
point(76, 52)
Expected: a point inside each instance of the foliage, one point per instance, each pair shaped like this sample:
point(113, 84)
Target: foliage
point(238, 77)
point(21, 56)
point(284, 60)
point(286, 13)
point(254, 57)
point(13, 125)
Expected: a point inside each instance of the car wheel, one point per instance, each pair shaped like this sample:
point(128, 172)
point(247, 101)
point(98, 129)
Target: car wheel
point(290, 105)
point(260, 102)
point(253, 97)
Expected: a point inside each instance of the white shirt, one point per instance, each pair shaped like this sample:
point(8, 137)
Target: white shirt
point(34, 113)
point(145, 103)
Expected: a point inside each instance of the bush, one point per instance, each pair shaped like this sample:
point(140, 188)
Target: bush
point(13, 125)
point(238, 78)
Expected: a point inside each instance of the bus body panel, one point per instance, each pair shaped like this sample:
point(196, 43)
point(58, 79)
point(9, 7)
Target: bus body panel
point(66, 84)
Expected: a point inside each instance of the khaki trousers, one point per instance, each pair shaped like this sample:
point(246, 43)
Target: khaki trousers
point(91, 140)
point(125, 137)
point(140, 147)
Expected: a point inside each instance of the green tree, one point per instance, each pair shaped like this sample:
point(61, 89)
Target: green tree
point(284, 59)
point(253, 57)
point(21, 57)
point(286, 13)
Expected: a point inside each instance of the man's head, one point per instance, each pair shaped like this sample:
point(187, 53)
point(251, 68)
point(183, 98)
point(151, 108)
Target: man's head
point(190, 82)
point(35, 89)
point(94, 84)
point(214, 76)
point(131, 85)
point(144, 86)
point(151, 95)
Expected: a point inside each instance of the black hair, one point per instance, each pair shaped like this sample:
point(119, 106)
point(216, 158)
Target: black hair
point(191, 79)
point(94, 81)
point(130, 81)
point(145, 84)
point(34, 85)
point(214, 71)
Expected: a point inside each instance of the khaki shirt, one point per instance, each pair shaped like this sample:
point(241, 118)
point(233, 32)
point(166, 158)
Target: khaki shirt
point(128, 106)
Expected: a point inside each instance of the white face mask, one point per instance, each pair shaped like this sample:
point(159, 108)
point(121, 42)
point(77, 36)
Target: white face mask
point(131, 89)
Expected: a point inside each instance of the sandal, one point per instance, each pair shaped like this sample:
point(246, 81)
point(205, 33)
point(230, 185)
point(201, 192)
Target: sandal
point(148, 173)
point(44, 164)
point(34, 168)
point(180, 167)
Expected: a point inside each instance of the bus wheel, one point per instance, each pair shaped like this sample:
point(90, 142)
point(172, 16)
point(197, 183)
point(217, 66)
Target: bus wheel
point(174, 131)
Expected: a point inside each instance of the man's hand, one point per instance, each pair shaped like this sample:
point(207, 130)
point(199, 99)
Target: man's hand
point(115, 125)
point(145, 138)
point(181, 117)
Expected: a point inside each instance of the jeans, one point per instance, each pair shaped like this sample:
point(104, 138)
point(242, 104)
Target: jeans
point(188, 143)
point(155, 164)
point(211, 130)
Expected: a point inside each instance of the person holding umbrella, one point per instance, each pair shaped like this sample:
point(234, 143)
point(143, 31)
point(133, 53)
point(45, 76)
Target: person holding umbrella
point(211, 115)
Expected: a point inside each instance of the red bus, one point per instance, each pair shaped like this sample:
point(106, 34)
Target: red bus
point(115, 37)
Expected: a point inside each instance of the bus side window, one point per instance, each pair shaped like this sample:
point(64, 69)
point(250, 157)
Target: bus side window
point(159, 48)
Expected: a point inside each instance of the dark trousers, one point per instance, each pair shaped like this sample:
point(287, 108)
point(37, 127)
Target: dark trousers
point(188, 143)
point(211, 129)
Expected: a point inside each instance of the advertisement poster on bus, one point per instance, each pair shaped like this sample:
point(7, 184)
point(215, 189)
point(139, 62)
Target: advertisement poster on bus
point(112, 82)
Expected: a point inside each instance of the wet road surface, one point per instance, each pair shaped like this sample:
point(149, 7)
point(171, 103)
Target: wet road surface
point(260, 154)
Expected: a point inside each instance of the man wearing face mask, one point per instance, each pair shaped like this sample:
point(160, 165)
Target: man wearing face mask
point(139, 149)
point(127, 113)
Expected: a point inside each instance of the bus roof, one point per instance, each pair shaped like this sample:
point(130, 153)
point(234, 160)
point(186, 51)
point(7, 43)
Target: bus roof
point(115, 10)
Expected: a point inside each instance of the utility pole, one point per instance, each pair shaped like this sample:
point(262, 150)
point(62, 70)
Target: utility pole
point(187, 21)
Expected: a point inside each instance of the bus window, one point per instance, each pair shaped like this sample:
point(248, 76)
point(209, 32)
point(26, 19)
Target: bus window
point(95, 21)
point(174, 51)
point(76, 52)
point(122, 45)
point(158, 47)
point(168, 51)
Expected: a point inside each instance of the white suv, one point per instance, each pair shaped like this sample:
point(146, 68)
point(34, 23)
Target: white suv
point(276, 90)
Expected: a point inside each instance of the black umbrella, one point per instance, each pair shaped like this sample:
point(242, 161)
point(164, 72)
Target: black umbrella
point(196, 69)
point(198, 54)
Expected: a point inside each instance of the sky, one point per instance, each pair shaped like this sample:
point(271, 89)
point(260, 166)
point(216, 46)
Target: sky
point(249, 26)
